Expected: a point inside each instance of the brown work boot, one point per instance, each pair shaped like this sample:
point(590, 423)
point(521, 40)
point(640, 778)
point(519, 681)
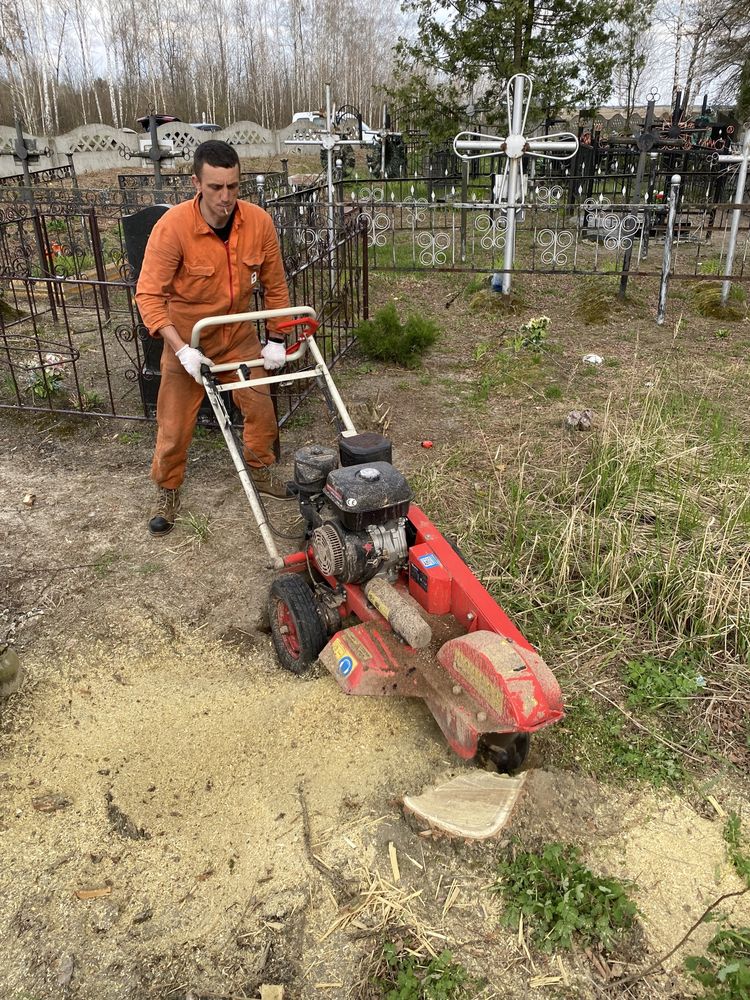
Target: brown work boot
point(164, 511)
point(268, 483)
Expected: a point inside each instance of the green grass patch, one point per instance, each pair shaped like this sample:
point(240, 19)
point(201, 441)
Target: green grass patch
point(209, 438)
point(601, 741)
point(738, 847)
point(486, 300)
point(711, 265)
point(403, 972)
point(106, 562)
point(637, 540)
point(300, 419)
point(494, 370)
point(654, 684)
point(562, 902)
point(596, 298)
point(130, 437)
point(706, 301)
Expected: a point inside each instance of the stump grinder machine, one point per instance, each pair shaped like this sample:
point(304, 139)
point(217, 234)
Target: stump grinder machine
point(376, 592)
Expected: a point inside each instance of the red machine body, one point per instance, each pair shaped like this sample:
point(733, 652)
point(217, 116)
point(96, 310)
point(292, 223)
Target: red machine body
point(479, 676)
point(377, 593)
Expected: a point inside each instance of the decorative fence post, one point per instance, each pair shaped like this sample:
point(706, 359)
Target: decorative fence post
point(739, 195)
point(464, 199)
point(510, 194)
point(674, 194)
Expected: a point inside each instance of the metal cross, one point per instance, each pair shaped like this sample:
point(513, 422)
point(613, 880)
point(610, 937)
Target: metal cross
point(739, 195)
point(329, 139)
point(510, 191)
point(25, 151)
point(155, 153)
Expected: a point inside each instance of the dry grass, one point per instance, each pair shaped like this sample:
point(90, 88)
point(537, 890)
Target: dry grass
point(636, 546)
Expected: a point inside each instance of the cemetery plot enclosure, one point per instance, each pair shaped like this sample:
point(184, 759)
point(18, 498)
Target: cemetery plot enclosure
point(71, 339)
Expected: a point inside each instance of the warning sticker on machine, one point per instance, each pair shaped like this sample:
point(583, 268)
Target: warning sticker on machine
point(418, 575)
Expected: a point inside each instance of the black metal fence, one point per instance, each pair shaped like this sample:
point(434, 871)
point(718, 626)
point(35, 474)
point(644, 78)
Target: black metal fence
point(607, 167)
point(71, 340)
point(134, 191)
point(423, 223)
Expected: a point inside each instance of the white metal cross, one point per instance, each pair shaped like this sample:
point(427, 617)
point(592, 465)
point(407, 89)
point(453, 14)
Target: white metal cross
point(329, 140)
point(739, 197)
point(509, 193)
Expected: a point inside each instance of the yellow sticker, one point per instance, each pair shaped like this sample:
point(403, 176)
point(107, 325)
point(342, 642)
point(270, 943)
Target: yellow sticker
point(491, 693)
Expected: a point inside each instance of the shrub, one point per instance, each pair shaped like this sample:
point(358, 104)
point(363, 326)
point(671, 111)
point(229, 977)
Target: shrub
point(724, 971)
point(533, 335)
point(562, 901)
point(387, 339)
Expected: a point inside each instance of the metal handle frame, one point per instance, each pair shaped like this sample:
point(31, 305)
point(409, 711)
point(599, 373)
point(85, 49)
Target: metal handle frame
point(214, 389)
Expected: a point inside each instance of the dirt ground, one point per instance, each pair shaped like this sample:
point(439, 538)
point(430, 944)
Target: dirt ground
point(182, 819)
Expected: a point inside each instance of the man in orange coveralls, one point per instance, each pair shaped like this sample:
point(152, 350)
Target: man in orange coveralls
point(205, 257)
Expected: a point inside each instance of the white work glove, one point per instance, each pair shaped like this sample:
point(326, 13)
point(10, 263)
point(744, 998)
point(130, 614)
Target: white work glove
point(191, 360)
point(274, 355)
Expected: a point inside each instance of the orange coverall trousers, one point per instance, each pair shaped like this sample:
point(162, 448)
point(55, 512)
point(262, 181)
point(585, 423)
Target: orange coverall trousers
point(180, 399)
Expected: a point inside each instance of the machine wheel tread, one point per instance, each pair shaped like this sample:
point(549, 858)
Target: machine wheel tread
point(296, 628)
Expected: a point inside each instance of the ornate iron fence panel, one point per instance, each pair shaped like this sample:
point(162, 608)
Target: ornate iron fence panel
point(71, 340)
point(134, 191)
point(49, 175)
point(410, 228)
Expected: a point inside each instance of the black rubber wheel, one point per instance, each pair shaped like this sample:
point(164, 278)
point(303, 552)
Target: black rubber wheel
point(296, 628)
point(507, 752)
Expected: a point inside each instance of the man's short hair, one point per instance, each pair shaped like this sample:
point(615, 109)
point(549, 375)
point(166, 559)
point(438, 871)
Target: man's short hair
point(215, 153)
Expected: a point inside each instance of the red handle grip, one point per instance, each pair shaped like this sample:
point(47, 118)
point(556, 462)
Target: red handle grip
point(309, 326)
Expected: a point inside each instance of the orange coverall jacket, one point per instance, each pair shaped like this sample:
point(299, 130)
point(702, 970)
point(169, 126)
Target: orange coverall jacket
point(188, 273)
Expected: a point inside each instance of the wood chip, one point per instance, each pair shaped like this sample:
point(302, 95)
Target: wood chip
point(537, 982)
point(717, 808)
point(28, 500)
point(65, 970)
point(451, 898)
point(394, 862)
point(270, 992)
point(50, 803)
point(105, 890)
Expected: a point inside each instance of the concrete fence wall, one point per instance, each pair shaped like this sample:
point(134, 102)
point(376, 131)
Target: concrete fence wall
point(102, 147)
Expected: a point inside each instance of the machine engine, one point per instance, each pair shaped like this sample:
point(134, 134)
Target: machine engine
point(356, 514)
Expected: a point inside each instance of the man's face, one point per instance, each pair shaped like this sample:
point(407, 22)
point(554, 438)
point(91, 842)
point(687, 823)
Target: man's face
point(218, 188)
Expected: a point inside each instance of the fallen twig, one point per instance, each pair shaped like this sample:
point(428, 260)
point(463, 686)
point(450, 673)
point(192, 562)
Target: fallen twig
point(639, 725)
point(339, 882)
point(636, 976)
